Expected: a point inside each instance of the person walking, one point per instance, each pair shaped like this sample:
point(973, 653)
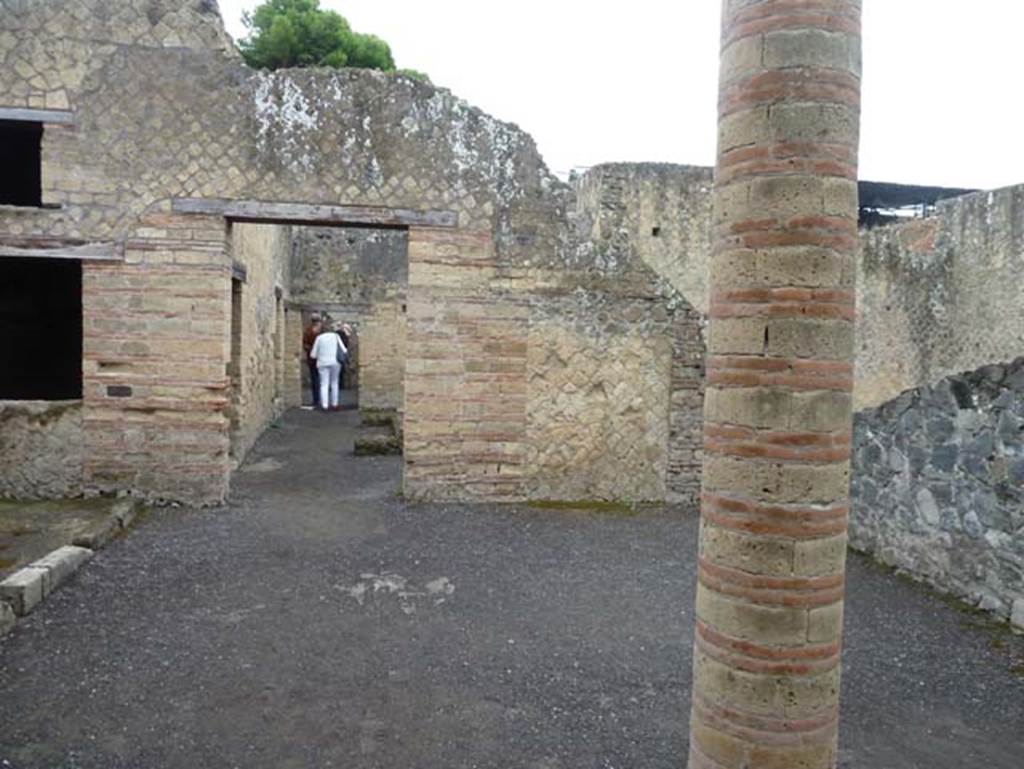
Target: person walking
point(309, 336)
point(328, 352)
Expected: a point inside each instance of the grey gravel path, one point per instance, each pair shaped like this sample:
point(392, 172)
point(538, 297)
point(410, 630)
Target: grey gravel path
point(319, 621)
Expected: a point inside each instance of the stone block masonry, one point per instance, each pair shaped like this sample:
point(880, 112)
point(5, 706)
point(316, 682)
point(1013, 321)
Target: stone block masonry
point(264, 251)
point(27, 587)
point(156, 340)
point(167, 115)
point(779, 381)
point(938, 485)
point(466, 372)
point(598, 399)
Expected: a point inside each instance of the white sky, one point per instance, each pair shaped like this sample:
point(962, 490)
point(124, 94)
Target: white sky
point(596, 82)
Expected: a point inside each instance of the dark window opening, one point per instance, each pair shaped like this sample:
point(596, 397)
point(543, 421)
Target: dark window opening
point(40, 329)
point(21, 161)
point(655, 232)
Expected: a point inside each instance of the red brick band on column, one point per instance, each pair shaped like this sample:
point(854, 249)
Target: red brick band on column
point(774, 502)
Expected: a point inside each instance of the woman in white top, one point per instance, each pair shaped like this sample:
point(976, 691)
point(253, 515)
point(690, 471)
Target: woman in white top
point(325, 352)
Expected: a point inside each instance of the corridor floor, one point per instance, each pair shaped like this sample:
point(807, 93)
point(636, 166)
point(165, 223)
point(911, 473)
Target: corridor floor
point(320, 621)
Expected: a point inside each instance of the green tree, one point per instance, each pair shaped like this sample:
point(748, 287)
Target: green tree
point(299, 33)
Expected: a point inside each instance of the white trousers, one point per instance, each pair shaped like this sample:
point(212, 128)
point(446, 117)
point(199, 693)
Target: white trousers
point(329, 384)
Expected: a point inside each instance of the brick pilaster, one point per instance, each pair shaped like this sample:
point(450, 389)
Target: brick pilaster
point(780, 374)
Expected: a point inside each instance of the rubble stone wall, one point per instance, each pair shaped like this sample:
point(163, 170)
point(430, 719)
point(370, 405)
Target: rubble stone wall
point(658, 211)
point(940, 295)
point(938, 485)
point(41, 446)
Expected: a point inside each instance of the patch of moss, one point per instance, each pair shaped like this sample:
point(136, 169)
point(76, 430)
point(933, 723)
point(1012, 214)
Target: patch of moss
point(376, 417)
point(376, 445)
point(591, 506)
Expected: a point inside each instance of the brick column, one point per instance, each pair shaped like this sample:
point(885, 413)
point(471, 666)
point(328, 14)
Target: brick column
point(780, 373)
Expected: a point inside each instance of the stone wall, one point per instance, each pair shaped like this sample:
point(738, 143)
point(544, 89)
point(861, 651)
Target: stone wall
point(41, 446)
point(380, 356)
point(50, 48)
point(156, 344)
point(162, 112)
point(599, 376)
point(929, 291)
point(686, 405)
point(163, 115)
point(658, 211)
point(264, 251)
point(940, 295)
point(938, 485)
point(360, 276)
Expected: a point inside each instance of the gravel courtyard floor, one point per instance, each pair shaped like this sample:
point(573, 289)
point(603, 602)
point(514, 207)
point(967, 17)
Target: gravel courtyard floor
point(320, 621)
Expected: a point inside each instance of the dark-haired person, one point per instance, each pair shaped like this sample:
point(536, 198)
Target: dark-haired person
point(308, 338)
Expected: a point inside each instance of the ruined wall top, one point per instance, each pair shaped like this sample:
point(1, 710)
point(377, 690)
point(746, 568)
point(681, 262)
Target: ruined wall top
point(659, 213)
point(163, 108)
point(936, 296)
point(48, 48)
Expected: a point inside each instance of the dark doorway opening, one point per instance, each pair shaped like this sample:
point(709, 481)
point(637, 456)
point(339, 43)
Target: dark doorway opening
point(21, 161)
point(40, 329)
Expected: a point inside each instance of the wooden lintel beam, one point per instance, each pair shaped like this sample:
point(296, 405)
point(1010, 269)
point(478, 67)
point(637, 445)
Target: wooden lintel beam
point(26, 115)
point(54, 248)
point(268, 212)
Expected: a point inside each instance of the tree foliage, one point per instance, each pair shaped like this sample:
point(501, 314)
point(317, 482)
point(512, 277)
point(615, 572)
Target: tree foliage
point(299, 33)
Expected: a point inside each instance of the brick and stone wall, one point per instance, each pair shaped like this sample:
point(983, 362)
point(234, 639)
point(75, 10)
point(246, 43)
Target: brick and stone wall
point(41, 447)
point(686, 406)
point(929, 291)
point(156, 341)
point(775, 484)
point(264, 251)
point(162, 111)
point(938, 485)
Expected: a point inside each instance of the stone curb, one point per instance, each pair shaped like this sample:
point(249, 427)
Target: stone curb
point(121, 517)
point(1017, 616)
point(27, 587)
point(24, 590)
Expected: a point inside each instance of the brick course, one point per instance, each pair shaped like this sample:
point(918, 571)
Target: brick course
point(777, 414)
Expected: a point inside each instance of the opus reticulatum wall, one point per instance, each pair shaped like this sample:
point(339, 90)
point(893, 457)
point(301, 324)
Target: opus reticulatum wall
point(159, 144)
